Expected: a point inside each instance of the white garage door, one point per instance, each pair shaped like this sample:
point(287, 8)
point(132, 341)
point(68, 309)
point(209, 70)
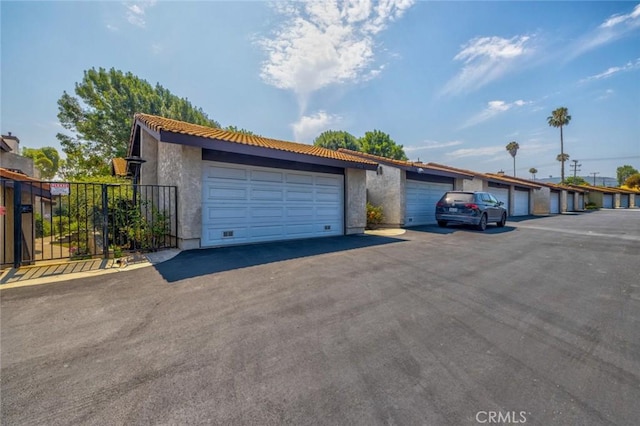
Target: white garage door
point(624, 201)
point(607, 201)
point(580, 201)
point(243, 204)
point(521, 200)
point(554, 202)
point(570, 202)
point(420, 201)
point(502, 194)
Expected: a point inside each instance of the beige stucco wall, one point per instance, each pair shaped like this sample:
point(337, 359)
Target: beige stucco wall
point(385, 188)
point(474, 184)
point(355, 183)
point(541, 201)
point(9, 160)
point(149, 153)
point(181, 166)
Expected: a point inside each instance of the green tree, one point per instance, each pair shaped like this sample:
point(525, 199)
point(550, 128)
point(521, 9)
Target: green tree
point(623, 172)
point(513, 148)
point(334, 139)
point(100, 116)
point(46, 159)
point(575, 180)
point(633, 182)
point(533, 172)
point(559, 118)
point(380, 143)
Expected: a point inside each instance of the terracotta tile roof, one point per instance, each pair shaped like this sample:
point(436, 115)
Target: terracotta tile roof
point(402, 163)
point(9, 174)
point(574, 188)
point(119, 166)
point(160, 124)
point(491, 176)
point(610, 189)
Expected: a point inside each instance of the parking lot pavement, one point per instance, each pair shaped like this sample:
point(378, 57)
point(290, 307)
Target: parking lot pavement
point(536, 323)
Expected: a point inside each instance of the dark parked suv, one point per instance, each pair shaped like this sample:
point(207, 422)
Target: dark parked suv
point(470, 208)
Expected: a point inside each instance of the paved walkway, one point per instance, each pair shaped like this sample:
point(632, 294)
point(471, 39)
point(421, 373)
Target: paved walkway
point(53, 272)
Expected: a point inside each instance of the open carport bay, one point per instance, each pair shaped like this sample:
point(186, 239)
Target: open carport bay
point(432, 327)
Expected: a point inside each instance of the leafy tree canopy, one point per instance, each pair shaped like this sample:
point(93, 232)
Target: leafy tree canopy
point(633, 182)
point(380, 143)
point(335, 139)
point(100, 116)
point(46, 159)
point(513, 148)
point(235, 129)
point(575, 180)
point(623, 172)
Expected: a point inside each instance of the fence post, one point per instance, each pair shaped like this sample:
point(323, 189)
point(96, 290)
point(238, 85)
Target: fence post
point(17, 223)
point(105, 221)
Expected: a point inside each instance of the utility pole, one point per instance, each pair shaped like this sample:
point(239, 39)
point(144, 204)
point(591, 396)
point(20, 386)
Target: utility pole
point(594, 177)
point(575, 168)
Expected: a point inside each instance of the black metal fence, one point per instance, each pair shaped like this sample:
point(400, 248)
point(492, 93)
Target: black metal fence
point(45, 221)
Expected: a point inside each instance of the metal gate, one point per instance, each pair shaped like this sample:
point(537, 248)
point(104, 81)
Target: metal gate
point(45, 221)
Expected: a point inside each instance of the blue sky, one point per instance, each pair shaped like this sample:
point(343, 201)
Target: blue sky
point(453, 82)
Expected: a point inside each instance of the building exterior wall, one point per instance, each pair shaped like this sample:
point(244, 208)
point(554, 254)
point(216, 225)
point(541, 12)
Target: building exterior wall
point(475, 184)
point(149, 153)
point(540, 201)
point(385, 188)
point(181, 166)
point(632, 200)
point(616, 201)
point(355, 201)
point(9, 160)
point(595, 197)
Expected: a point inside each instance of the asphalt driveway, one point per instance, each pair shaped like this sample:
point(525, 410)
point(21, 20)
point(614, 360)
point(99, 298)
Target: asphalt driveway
point(538, 321)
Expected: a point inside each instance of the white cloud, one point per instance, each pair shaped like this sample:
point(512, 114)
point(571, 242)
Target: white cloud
point(616, 20)
point(310, 126)
point(485, 60)
point(326, 42)
point(432, 145)
point(136, 12)
point(157, 48)
point(476, 152)
point(493, 108)
point(613, 70)
point(112, 28)
point(613, 28)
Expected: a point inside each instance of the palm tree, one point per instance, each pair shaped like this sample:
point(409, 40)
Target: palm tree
point(562, 158)
point(513, 148)
point(560, 117)
point(533, 172)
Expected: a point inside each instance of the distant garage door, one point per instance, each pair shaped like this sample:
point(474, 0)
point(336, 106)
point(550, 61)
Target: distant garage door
point(607, 201)
point(502, 194)
point(554, 202)
point(570, 202)
point(624, 201)
point(521, 202)
point(244, 204)
point(580, 201)
point(420, 201)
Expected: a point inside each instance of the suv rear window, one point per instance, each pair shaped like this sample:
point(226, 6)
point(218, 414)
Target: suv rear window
point(458, 197)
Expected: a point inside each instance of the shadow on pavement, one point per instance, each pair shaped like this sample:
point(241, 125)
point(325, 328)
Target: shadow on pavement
point(450, 229)
point(194, 263)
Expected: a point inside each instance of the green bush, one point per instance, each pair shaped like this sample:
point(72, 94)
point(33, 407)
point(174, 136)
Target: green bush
point(374, 216)
point(43, 227)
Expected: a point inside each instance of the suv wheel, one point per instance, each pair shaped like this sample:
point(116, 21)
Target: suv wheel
point(442, 223)
point(483, 223)
point(503, 220)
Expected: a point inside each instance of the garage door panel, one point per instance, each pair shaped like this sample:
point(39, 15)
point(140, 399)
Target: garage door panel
point(607, 201)
point(263, 176)
point(521, 200)
point(298, 178)
point(267, 194)
point(264, 204)
point(328, 181)
point(624, 201)
point(570, 202)
point(228, 173)
point(420, 201)
point(299, 195)
point(554, 203)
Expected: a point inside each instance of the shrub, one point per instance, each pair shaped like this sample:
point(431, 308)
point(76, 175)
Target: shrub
point(374, 216)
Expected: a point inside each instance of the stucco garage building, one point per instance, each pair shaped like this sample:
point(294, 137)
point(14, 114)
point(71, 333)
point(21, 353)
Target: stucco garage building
point(407, 191)
point(235, 188)
point(516, 194)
